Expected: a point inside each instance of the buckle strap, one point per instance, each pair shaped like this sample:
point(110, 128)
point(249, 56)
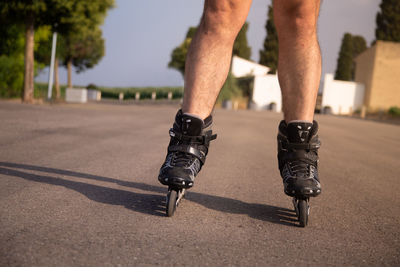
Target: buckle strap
point(200, 139)
point(188, 149)
point(310, 146)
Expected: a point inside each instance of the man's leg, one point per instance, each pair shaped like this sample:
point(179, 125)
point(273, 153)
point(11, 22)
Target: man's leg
point(299, 67)
point(299, 71)
point(207, 66)
point(209, 56)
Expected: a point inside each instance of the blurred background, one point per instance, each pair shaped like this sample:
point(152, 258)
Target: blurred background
point(132, 49)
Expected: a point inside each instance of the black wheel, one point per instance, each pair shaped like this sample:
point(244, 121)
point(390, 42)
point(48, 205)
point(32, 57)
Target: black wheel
point(296, 206)
point(302, 207)
point(171, 202)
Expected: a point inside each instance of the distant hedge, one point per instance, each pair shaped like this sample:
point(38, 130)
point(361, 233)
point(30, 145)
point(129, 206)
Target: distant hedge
point(395, 111)
point(145, 92)
point(113, 93)
point(41, 90)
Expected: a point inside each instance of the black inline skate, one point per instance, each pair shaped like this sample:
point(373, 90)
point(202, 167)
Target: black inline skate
point(298, 145)
point(187, 151)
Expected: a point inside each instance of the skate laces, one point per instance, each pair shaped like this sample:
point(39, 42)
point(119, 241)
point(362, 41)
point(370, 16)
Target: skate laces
point(184, 160)
point(181, 159)
point(300, 167)
point(300, 164)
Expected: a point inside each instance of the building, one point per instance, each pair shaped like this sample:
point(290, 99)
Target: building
point(376, 85)
point(341, 97)
point(244, 68)
point(378, 68)
point(264, 91)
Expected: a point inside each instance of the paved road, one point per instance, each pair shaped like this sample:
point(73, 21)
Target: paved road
point(78, 187)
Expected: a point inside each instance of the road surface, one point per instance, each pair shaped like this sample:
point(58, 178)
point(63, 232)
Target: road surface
point(78, 187)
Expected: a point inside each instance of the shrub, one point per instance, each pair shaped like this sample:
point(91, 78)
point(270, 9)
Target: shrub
point(109, 94)
point(145, 92)
point(230, 89)
point(395, 111)
point(41, 90)
point(91, 86)
point(11, 76)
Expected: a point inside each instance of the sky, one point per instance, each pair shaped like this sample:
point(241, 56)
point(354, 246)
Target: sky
point(140, 36)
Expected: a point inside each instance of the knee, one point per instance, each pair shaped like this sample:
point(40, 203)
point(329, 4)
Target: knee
point(224, 17)
point(296, 17)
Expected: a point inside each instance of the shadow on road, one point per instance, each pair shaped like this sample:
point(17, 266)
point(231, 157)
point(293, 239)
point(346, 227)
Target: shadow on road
point(153, 204)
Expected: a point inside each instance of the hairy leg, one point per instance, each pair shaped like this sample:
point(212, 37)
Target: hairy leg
point(299, 67)
point(209, 56)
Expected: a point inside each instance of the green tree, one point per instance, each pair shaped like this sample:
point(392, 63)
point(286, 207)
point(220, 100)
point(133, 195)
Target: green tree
point(241, 47)
point(178, 56)
point(359, 46)
point(12, 49)
point(83, 50)
point(11, 58)
point(83, 41)
point(68, 16)
point(345, 59)
point(230, 89)
point(269, 54)
point(351, 47)
point(11, 75)
point(27, 13)
point(388, 21)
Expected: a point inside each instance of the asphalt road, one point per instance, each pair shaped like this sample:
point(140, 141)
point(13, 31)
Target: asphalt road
point(78, 187)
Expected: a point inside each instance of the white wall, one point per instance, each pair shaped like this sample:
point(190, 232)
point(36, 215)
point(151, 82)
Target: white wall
point(266, 90)
point(342, 97)
point(76, 95)
point(242, 67)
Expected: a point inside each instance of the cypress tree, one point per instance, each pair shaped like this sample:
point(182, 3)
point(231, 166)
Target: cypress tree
point(345, 59)
point(388, 21)
point(351, 47)
point(178, 55)
point(269, 55)
point(359, 46)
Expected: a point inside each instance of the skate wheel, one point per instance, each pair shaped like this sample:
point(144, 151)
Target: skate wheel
point(295, 206)
point(303, 212)
point(172, 197)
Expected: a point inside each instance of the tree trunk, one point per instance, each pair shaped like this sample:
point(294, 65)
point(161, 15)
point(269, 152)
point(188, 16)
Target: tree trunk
point(69, 67)
point(56, 80)
point(29, 60)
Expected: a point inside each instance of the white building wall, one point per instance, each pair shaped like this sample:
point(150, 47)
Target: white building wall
point(266, 91)
point(342, 97)
point(242, 67)
point(93, 95)
point(76, 95)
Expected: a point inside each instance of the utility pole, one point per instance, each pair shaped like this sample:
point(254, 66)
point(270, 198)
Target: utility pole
point(51, 72)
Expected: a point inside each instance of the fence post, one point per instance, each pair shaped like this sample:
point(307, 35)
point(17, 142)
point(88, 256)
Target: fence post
point(235, 105)
point(381, 112)
point(363, 112)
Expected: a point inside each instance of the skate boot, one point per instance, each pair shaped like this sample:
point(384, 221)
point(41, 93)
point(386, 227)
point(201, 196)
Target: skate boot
point(298, 146)
point(187, 150)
